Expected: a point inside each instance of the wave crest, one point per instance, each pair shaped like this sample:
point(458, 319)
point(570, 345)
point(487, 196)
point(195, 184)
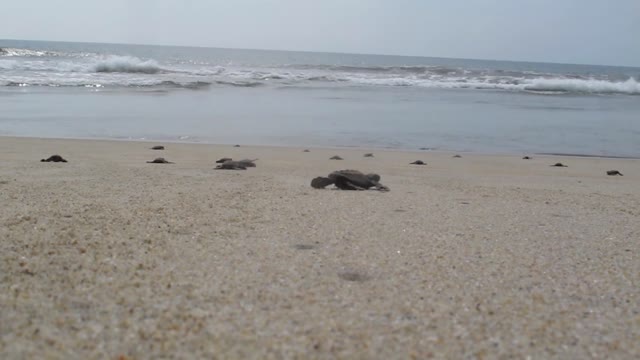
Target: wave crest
point(11, 52)
point(592, 86)
point(127, 64)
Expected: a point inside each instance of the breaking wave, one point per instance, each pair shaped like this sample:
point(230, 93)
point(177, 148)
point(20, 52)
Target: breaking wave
point(28, 67)
point(127, 64)
point(590, 86)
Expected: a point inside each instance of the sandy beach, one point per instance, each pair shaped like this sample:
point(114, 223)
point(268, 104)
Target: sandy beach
point(485, 256)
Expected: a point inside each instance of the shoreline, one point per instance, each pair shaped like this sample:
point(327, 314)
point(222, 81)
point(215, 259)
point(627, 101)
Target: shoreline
point(108, 256)
point(344, 147)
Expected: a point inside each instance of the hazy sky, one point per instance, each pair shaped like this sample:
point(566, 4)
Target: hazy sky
point(570, 31)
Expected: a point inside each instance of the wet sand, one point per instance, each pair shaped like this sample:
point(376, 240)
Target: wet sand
point(478, 257)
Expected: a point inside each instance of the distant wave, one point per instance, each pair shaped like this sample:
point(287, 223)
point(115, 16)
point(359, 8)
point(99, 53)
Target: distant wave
point(127, 64)
point(240, 83)
point(192, 85)
point(11, 52)
point(443, 70)
point(631, 86)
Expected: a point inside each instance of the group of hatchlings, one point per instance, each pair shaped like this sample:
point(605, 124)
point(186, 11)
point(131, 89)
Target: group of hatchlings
point(341, 179)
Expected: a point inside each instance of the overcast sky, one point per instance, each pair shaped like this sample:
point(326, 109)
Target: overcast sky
point(568, 31)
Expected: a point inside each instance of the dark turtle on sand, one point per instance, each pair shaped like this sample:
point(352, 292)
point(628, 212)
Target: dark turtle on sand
point(368, 155)
point(231, 165)
point(54, 158)
point(306, 150)
point(236, 165)
point(236, 145)
point(526, 158)
point(558, 165)
point(349, 180)
point(457, 156)
point(418, 162)
point(159, 161)
point(157, 147)
point(336, 158)
point(614, 173)
point(244, 162)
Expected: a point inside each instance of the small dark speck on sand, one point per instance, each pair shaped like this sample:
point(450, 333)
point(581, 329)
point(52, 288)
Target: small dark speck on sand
point(353, 276)
point(236, 145)
point(303, 247)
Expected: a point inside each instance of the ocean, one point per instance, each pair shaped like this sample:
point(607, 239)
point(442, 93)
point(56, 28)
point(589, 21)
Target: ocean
point(260, 97)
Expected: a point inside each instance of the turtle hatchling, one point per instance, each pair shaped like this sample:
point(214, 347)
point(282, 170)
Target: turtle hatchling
point(418, 162)
point(368, 155)
point(54, 158)
point(336, 158)
point(349, 180)
point(614, 173)
point(159, 161)
point(157, 147)
point(236, 165)
point(558, 165)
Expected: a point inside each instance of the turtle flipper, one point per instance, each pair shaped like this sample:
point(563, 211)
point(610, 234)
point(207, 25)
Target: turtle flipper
point(381, 187)
point(352, 186)
point(321, 182)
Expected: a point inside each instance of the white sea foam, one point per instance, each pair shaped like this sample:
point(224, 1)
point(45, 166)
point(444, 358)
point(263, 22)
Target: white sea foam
point(11, 52)
point(127, 64)
point(631, 86)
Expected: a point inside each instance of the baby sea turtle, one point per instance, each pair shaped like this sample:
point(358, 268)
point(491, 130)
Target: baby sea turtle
point(236, 145)
point(243, 162)
point(368, 155)
point(236, 165)
point(558, 165)
point(54, 158)
point(457, 156)
point(418, 162)
point(336, 158)
point(157, 147)
point(159, 161)
point(614, 173)
point(231, 165)
point(306, 150)
point(349, 180)
point(526, 158)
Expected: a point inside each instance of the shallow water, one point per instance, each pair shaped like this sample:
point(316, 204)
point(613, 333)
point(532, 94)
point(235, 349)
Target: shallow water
point(281, 98)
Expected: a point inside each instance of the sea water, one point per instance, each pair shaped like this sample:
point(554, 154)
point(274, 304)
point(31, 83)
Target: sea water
point(79, 90)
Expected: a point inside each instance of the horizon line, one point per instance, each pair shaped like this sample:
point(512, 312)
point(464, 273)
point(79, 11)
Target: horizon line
point(325, 52)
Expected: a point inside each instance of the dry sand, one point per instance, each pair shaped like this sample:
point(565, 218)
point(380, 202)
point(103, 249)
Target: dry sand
point(479, 257)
